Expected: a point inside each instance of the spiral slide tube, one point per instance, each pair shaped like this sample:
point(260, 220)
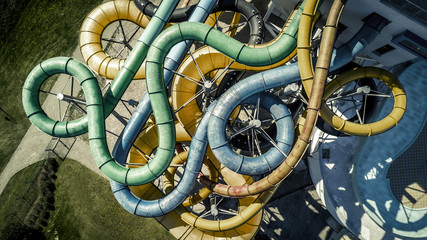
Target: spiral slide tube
point(237, 225)
point(322, 67)
point(97, 110)
point(267, 161)
point(243, 229)
point(91, 32)
point(173, 60)
point(133, 124)
point(178, 194)
point(143, 110)
point(157, 91)
point(209, 60)
point(162, 206)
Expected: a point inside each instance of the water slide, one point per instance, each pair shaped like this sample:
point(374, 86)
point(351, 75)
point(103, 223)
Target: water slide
point(284, 155)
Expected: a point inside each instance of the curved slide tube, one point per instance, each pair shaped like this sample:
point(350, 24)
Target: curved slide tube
point(304, 138)
point(266, 162)
point(209, 60)
point(177, 195)
point(178, 15)
point(237, 224)
point(91, 32)
point(376, 127)
point(322, 67)
point(194, 31)
point(173, 55)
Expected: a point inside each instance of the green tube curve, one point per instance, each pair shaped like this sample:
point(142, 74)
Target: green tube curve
point(96, 124)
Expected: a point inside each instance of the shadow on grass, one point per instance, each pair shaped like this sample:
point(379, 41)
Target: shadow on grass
point(85, 208)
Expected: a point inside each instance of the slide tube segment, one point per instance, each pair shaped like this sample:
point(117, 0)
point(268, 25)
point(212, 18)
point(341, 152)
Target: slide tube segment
point(157, 92)
point(252, 165)
point(91, 32)
point(168, 179)
point(366, 129)
point(219, 61)
point(178, 15)
point(95, 23)
point(322, 69)
point(123, 78)
point(147, 141)
point(143, 110)
point(210, 36)
point(339, 57)
point(282, 46)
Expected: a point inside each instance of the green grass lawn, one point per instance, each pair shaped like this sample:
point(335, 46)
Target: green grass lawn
point(10, 197)
point(85, 208)
point(45, 29)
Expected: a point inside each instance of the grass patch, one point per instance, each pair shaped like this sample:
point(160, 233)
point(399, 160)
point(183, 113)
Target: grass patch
point(85, 208)
point(12, 195)
point(45, 29)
